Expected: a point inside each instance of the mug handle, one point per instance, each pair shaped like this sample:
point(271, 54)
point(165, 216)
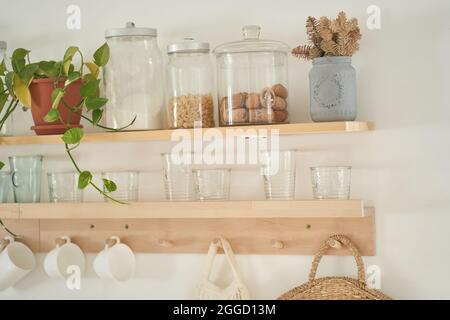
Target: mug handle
point(65, 239)
point(116, 240)
point(13, 176)
point(6, 241)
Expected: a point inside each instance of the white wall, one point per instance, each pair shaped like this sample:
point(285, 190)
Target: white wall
point(401, 168)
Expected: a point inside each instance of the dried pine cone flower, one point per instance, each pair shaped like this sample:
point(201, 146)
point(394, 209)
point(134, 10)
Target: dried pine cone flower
point(328, 37)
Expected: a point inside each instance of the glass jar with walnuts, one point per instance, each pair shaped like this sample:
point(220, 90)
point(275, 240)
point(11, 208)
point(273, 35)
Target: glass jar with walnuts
point(252, 80)
point(190, 85)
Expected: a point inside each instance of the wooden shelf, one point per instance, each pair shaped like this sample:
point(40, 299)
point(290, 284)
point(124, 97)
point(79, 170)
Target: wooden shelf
point(185, 210)
point(151, 135)
point(189, 227)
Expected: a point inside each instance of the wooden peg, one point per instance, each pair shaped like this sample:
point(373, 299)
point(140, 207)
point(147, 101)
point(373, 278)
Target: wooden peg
point(165, 243)
point(334, 244)
point(277, 244)
point(61, 241)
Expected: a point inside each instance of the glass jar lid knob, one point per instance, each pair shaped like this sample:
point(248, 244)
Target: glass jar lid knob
point(251, 32)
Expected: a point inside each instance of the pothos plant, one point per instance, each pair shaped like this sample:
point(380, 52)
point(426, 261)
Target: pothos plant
point(14, 90)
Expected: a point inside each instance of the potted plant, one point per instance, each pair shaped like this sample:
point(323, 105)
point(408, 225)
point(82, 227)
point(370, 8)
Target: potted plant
point(332, 79)
point(57, 93)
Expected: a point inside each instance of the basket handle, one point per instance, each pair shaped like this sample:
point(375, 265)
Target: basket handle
point(346, 242)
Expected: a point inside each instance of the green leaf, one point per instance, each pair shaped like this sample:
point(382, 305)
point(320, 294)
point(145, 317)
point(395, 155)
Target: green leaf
point(9, 80)
point(22, 91)
point(3, 69)
point(1, 165)
point(50, 69)
point(68, 56)
point(109, 185)
point(73, 76)
point(70, 52)
point(18, 59)
point(97, 116)
point(90, 89)
point(73, 136)
point(57, 95)
point(3, 99)
point(101, 56)
point(27, 73)
point(93, 69)
point(84, 179)
point(52, 116)
point(92, 103)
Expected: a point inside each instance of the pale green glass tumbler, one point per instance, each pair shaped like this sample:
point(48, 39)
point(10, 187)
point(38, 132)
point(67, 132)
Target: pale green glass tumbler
point(26, 172)
point(5, 186)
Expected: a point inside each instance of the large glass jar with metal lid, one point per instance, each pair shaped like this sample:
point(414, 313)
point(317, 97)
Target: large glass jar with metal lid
point(6, 126)
point(134, 78)
point(190, 85)
point(252, 80)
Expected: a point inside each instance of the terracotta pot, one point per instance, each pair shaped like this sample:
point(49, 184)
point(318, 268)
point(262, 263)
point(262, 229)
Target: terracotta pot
point(41, 103)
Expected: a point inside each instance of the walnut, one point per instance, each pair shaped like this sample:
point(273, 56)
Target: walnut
point(261, 115)
point(280, 116)
point(252, 101)
point(279, 104)
point(280, 91)
point(231, 116)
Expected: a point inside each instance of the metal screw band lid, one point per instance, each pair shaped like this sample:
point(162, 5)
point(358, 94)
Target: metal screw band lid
point(130, 30)
point(188, 45)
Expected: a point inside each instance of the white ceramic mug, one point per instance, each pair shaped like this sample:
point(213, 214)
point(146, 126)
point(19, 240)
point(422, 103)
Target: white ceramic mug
point(62, 257)
point(16, 261)
point(115, 261)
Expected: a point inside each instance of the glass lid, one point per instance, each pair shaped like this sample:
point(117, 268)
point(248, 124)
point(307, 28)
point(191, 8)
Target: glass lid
point(130, 30)
point(252, 43)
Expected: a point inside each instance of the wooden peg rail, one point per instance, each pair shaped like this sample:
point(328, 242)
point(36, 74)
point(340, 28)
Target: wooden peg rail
point(252, 227)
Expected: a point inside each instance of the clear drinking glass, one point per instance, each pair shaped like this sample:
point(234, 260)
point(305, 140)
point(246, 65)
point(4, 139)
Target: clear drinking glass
point(26, 172)
point(212, 184)
point(331, 182)
point(178, 178)
point(63, 187)
point(5, 186)
point(127, 185)
point(278, 169)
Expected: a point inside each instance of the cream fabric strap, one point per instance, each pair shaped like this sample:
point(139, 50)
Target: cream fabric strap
point(208, 290)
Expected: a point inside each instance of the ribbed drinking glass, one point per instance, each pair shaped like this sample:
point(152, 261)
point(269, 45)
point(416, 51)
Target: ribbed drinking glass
point(127, 183)
point(63, 187)
point(278, 169)
point(331, 182)
point(26, 172)
point(178, 178)
point(212, 184)
point(5, 186)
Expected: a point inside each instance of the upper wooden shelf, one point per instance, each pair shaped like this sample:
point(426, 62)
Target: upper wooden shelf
point(186, 210)
point(284, 129)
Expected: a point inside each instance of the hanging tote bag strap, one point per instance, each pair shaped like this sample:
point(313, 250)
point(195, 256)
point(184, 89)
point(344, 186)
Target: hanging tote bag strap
point(346, 242)
point(212, 252)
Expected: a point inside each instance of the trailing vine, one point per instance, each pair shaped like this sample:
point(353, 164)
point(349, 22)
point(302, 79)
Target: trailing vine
point(14, 89)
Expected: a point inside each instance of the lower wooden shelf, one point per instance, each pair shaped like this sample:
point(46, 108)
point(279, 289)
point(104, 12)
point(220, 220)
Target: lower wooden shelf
point(252, 227)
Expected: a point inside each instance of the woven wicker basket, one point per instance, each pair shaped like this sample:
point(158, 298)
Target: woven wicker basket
point(335, 288)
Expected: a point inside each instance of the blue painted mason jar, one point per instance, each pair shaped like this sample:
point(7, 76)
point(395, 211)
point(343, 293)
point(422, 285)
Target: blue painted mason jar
point(332, 82)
